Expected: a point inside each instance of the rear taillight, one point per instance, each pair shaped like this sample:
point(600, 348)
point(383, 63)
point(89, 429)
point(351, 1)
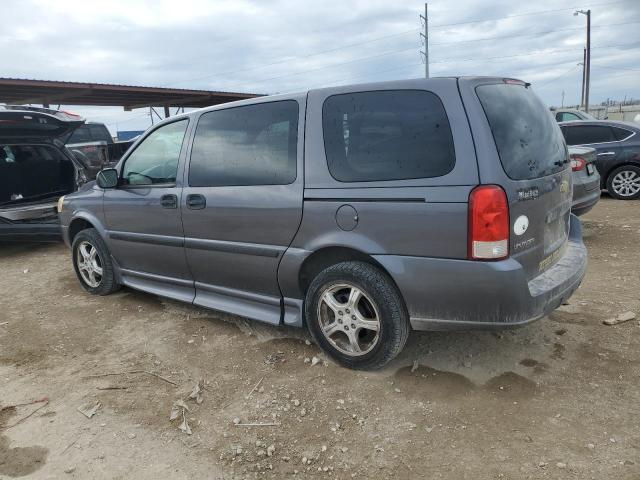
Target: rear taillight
point(488, 223)
point(578, 163)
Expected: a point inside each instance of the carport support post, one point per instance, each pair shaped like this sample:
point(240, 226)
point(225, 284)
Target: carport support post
point(167, 114)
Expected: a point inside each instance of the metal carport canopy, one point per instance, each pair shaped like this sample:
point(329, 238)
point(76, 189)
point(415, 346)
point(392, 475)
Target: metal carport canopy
point(16, 91)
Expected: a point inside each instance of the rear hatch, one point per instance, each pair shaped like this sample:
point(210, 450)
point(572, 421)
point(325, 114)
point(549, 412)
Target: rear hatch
point(530, 161)
point(19, 124)
point(35, 166)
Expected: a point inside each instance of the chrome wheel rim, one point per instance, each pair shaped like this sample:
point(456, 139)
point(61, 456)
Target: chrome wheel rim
point(89, 264)
point(626, 183)
point(348, 319)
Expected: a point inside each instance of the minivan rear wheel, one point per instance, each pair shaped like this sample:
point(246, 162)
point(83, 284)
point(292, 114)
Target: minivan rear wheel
point(356, 315)
point(624, 183)
point(92, 263)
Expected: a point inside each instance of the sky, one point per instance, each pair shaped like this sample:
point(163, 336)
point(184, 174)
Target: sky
point(285, 45)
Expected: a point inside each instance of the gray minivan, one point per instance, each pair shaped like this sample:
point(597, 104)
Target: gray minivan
point(360, 211)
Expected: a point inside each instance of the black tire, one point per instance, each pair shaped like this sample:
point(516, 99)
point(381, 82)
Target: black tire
point(610, 179)
point(107, 283)
point(378, 290)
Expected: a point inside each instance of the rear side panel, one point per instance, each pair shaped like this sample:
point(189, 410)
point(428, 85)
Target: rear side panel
point(421, 217)
point(539, 207)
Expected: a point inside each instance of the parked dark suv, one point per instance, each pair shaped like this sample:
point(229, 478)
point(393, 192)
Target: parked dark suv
point(359, 211)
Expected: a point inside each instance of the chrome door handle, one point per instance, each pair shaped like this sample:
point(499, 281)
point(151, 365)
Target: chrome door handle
point(607, 153)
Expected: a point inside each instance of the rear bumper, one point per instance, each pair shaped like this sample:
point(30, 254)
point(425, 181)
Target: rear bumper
point(446, 294)
point(585, 198)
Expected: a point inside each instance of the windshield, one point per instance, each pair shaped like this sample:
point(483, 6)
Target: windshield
point(528, 139)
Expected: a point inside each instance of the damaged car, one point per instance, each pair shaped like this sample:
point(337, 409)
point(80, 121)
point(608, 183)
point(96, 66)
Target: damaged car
point(36, 170)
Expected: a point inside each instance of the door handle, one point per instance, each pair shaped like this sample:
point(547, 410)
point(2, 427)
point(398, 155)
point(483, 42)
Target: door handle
point(607, 153)
point(196, 202)
point(169, 201)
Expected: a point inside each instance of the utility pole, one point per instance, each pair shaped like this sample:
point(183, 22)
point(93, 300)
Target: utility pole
point(425, 37)
point(584, 75)
point(562, 104)
point(587, 58)
point(587, 81)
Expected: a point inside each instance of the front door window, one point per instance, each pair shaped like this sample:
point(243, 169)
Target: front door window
point(155, 160)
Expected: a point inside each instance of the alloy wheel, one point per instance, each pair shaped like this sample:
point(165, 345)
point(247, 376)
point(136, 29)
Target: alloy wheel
point(89, 264)
point(349, 319)
point(626, 183)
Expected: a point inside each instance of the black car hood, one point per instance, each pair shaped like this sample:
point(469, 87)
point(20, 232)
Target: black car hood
point(24, 125)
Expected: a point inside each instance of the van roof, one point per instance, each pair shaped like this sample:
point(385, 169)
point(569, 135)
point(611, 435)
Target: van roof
point(365, 86)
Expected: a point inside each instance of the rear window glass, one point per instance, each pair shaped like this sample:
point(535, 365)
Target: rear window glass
point(529, 141)
point(99, 133)
point(387, 135)
point(80, 135)
point(586, 134)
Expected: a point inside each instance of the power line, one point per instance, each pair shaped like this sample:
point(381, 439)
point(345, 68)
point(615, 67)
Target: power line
point(375, 39)
point(287, 59)
point(332, 65)
point(526, 14)
point(391, 52)
point(616, 68)
point(241, 86)
point(543, 84)
point(541, 52)
point(350, 78)
point(128, 119)
point(533, 34)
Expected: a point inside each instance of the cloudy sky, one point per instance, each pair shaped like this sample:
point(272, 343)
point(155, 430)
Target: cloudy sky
point(287, 45)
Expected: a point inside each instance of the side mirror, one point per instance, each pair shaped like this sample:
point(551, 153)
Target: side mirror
point(107, 178)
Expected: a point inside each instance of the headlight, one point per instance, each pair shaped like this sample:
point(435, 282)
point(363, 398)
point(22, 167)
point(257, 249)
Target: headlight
point(60, 204)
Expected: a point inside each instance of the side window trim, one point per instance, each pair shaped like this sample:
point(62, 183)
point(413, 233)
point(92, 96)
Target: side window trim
point(186, 139)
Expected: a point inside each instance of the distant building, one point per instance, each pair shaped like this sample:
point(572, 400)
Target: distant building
point(128, 134)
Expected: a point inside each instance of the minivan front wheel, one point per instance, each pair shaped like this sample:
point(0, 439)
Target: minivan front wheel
point(624, 183)
point(356, 315)
point(92, 263)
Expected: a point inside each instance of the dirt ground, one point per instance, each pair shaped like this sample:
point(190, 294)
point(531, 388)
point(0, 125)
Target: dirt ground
point(556, 399)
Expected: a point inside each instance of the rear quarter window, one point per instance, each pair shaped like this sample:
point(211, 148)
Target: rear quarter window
point(387, 135)
point(621, 133)
point(529, 141)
